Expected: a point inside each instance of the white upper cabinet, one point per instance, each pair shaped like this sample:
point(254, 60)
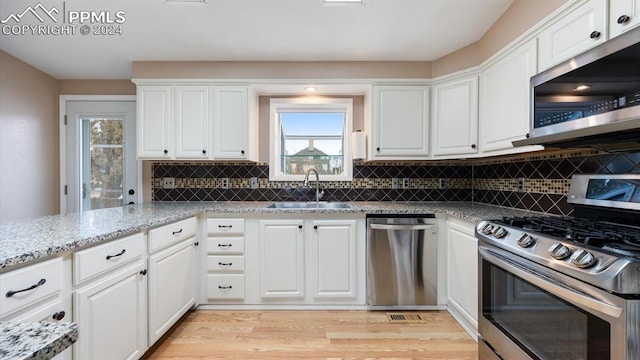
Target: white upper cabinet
point(230, 122)
point(624, 15)
point(400, 122)
point(153, 122)
point(577, 31)
point(192, 122)
point(455, 117)
point(195, 122)
point(504, 100)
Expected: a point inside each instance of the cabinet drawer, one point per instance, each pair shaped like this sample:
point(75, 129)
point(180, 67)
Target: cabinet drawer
point(225, 263)
point(225, 286)
point(106, 257)
point(225, 245)
point(53, 311)
point(39, 282)
point(171, 234)
point(225, 226)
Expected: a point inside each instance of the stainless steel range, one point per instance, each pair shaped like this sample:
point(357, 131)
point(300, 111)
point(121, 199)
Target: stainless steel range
point(564, 288)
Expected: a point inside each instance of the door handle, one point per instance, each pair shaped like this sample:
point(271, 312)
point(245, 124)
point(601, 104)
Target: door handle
point(401, 227)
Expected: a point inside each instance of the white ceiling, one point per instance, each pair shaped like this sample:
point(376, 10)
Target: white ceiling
point(249, 30)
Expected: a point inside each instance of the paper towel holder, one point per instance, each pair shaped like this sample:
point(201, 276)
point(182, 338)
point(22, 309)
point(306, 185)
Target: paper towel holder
point(359, 145)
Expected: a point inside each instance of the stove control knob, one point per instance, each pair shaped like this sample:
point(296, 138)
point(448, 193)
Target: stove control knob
point(487, 229)
point(583, 259)
point(526, 240)
point(500, 232)
point(559, 251)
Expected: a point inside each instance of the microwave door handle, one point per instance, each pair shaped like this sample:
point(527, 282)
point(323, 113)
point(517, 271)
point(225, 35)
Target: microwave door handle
point(400, 227)
point(563, 290)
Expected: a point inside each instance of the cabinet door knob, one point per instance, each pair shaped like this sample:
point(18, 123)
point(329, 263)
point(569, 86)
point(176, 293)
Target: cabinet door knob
point(473, 146)
point(527, 135)
point(299, 226)
point(197, 243)
point(143, 272)
point(623, 19)
point(595, 35)
point(315, 227)
point(204, 151)
point(377, 149)
point(59, 315)
point(166, 151)
point(242, 152)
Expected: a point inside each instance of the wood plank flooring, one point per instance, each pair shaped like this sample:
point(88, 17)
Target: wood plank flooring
point(207, 334)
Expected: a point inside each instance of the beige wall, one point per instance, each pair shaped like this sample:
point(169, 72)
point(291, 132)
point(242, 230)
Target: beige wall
point(29, 175)
point(516, 20)
point(96, 87)
point(280, 69)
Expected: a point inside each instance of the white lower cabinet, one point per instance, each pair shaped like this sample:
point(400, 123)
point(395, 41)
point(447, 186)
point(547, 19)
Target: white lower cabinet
point(311, 261)
point(111, 309)
point(282, 259)
point(462, 272)
point(225, 260)
point(112, 316)
point(171, 287)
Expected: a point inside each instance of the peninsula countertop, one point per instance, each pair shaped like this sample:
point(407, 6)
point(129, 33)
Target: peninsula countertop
point(24, 241)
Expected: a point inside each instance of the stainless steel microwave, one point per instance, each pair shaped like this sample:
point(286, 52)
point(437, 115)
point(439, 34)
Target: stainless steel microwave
point(591, 99)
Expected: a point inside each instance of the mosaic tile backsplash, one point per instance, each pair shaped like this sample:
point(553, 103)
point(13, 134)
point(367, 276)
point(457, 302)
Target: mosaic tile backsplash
point(536, 181)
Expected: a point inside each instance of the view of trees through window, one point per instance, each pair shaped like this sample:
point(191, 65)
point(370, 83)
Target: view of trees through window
point(312, 140)
point(106, 141)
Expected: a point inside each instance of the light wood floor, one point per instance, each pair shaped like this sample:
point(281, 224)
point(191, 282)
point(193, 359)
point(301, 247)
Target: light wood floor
point(206, 334)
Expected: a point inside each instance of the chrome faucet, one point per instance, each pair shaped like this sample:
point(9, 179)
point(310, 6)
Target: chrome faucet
point(306, 183)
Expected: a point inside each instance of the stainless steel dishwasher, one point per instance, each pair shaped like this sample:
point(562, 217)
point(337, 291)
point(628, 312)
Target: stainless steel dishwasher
point(401, 261)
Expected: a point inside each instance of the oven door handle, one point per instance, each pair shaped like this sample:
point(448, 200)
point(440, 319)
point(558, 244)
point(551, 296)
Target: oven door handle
point(536, 278)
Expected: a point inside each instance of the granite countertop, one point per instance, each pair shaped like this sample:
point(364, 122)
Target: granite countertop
point(31, 239)
point(42, 340)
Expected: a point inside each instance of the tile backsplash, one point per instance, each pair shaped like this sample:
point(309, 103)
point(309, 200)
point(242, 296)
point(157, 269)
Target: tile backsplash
point(535, 181)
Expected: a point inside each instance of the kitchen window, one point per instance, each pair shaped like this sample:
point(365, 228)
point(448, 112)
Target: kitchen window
point(310, 133)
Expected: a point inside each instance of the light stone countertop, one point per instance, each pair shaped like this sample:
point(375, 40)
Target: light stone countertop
point(41, 340)
point(28, 240)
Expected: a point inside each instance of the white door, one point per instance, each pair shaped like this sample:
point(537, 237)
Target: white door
point(101, 165)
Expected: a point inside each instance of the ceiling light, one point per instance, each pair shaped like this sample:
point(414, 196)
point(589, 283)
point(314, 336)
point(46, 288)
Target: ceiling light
point(582, 88)
point(310, 88)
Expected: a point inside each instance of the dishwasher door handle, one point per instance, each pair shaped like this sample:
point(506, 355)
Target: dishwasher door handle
point(401, 227)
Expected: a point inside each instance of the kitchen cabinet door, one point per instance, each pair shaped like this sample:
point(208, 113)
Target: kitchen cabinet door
point(112, 316)
point(230, 122)
point(282, 259)
point(462, 271)
point(455, 117)
point(192, 122)
point(504, 99)
point(400, 122)
point(577, 31)
point(153, 122)
point(334, 259)
point(624, 15)
point(171, 287)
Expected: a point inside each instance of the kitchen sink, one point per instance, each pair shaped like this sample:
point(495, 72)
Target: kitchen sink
point(309, 205)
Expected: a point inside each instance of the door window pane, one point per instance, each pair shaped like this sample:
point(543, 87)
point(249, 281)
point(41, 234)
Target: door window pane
point(104, 170)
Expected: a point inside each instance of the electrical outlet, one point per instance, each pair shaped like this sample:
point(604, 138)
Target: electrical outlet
point(405, 183)
point(224, 183)
point(394, 183)
point(442, 183)
point(253, 182)
point(168, 183)
point(520, 184)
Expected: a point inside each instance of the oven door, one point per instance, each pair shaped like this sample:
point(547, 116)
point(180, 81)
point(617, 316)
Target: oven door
point(527, 311)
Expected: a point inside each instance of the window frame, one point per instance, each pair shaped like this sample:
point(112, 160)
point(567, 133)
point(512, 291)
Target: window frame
point(309, 104)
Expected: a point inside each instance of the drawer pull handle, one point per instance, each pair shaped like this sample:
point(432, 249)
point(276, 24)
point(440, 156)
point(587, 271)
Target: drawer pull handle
point(176, 232)
point(116, 255)
point(224, 245)
point(225, 264)
point(10, 293)
point(225, 226)
point(225, 287)
point(59, 315)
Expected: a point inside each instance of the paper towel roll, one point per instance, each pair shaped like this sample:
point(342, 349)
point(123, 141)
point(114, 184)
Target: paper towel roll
point(359, 145)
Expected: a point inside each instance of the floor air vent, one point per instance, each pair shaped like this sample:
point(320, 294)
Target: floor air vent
point(400, 318)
